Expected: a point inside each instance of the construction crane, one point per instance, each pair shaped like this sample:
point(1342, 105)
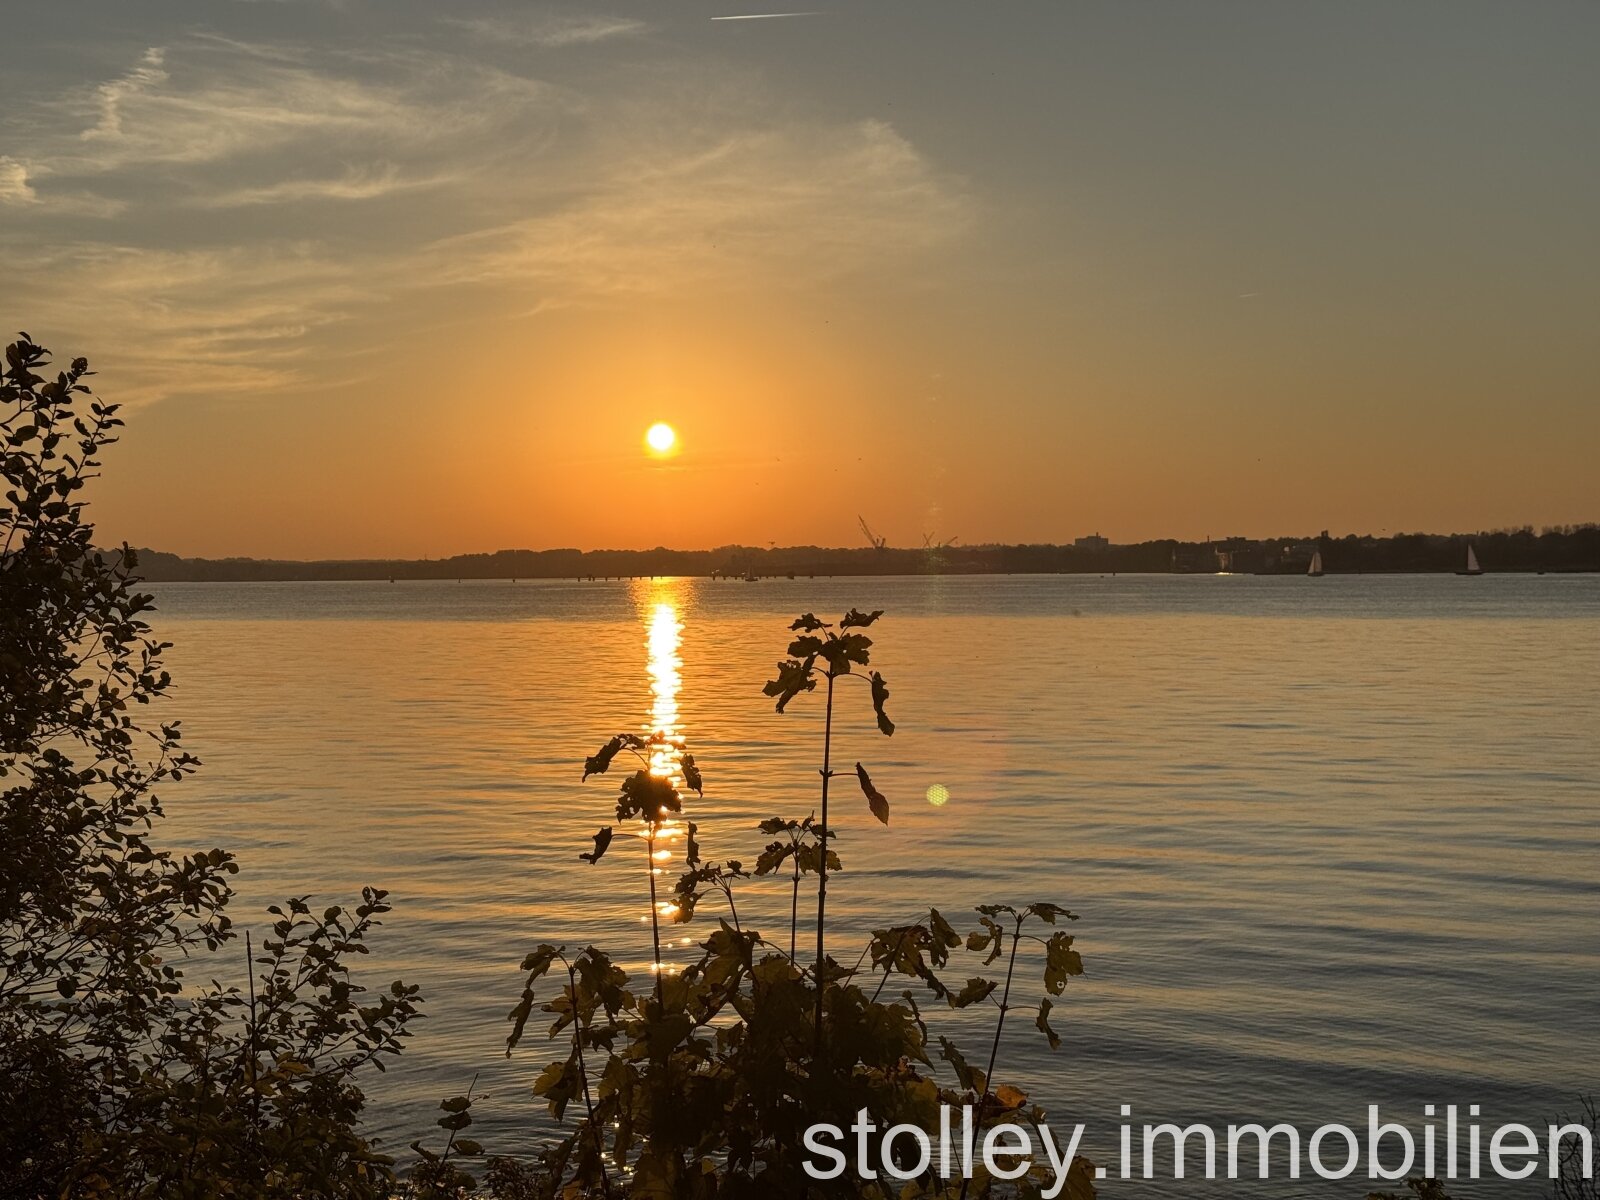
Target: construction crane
point(878, 543)
point(929, 544)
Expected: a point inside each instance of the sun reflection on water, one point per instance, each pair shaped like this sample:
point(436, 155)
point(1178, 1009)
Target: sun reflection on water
point(663, 667)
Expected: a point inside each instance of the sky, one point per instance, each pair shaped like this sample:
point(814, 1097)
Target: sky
point(392, 278)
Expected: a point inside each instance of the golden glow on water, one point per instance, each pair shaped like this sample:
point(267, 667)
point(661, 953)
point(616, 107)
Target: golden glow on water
point(663, 668)
point(1192, 763)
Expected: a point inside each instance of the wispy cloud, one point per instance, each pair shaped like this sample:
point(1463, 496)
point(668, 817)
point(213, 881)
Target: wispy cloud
point(521, 195)
point(800, 204)
point(14, 185)
point(220, 101)
point(18, 187)
point(112, 95)
point(207, 322)
point(550, 29)
point(356, 183)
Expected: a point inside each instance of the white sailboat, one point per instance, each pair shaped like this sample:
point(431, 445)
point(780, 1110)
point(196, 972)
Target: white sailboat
point(1316, 565)
point(1472, 563)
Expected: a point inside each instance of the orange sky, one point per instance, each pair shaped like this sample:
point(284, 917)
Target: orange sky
point(381, 282)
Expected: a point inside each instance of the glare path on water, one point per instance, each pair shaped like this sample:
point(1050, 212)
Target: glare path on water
point(663, 668)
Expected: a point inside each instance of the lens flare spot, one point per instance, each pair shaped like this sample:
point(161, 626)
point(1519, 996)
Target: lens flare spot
point(938, 795)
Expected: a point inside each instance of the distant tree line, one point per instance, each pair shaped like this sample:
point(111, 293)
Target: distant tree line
point(1560, 548)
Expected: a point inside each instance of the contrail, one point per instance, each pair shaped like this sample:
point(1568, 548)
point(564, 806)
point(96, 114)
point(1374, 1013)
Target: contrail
point(765, 16)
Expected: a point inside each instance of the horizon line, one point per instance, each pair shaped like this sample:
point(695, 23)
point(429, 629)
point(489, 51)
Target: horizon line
point(955, 547)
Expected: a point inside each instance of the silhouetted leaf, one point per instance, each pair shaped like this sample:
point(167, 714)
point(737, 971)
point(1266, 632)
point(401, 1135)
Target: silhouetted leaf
point(793, 678)
point(880, 693)
point(856, 618)
point(808, 622)
point(691, 775)
point(599, 762)
point(518, 1017)
point(1043, 1023)
point(875, 800)
point(1010, 1098)
point(856, 647)
point(648, 795)
point(944, 940)
point(840, 652)
point(1061, 961)
point(1048, 912)
point(897, 947)
point(922, 1026)
point(969, 1077)
point(773, 857)
point(684, 902)
point(691, 850)
point(976, 989)
point(808, 856)
point(538, 961)
point(808, 646)
point(990, 937)
point(558, 1083)
point(602, 839)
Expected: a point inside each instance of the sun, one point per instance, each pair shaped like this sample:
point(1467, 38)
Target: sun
point(661, 437)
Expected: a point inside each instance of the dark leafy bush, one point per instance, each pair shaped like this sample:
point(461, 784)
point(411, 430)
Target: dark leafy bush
point(123, 1077)
point(702, 1082)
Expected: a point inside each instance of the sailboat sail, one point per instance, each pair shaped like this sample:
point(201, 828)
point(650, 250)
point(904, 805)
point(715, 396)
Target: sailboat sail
point(1472, 562)
point(1316, 563)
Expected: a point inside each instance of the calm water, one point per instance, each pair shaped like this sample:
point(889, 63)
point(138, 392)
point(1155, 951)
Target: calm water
point(1334, 842)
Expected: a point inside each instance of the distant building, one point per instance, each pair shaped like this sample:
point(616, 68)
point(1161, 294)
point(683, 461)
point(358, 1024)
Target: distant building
point(1092, 542)
point(1199, 558)
point(1240, 556)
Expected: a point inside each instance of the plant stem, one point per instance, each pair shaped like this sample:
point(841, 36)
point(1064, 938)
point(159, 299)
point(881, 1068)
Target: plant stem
point(583, 1073)
point(655, 915)
point(794, 908)
point(255, 1093)
point(450, 1142)
point(822, 865)
point(994, 1049)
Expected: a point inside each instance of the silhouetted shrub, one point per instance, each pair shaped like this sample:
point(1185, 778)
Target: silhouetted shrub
point(702, 1083)
point(122, 1077)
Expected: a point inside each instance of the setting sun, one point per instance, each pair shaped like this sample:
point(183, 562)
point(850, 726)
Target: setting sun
point(661, 437)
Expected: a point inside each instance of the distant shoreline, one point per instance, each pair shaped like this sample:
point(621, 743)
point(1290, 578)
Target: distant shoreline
point(905, 575)
point(1567, 550)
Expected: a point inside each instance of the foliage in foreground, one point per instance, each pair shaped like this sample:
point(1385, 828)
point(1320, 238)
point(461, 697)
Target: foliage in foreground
point(700, 1083)
point(123, 1077)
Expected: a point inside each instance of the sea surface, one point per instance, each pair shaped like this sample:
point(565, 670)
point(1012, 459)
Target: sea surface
point(1333, 842)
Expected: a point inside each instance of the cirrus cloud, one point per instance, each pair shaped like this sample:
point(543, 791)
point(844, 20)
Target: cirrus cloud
point(339, 185)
